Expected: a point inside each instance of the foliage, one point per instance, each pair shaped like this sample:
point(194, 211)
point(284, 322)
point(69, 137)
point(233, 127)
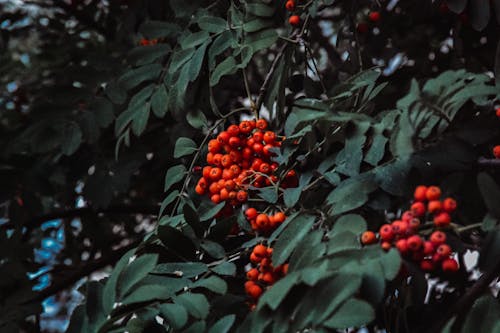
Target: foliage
point(105, 120)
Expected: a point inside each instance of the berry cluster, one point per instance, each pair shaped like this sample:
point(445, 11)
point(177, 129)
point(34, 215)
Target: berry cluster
point(403, 233)
point(263, 274)
point(264, 223)
point(238, 158)
point(426, 200)
point(294, 20)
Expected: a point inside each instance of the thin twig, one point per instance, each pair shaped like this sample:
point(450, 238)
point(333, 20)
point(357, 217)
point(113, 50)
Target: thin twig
point(493, 162)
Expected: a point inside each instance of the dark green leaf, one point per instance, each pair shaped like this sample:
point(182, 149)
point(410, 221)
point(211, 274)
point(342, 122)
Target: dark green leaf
point(353, 313)
point(135, 272)
point(212, 24)
point(350, 222)
point(174, 175)
point(184, 269)
point(213, 283)
point(159, 101)
point(158, 29)
point(147, 293)
point(290, 237)
point(196, 304)
point(174, 314)
point(223, 325)
point(490, 193)
point(213, 249)
point(225, 268)
point(226, 67)
point(184, 146)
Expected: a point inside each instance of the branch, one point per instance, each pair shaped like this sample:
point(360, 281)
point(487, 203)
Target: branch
point(85, 211)
point(86, 270)
point(462, 306)
point(491, 162)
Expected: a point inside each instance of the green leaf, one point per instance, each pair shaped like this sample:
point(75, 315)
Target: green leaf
point(179, 58)
point(489, 222)
point(223, 325)
point(226, 67)
point(184, 269)
point(213, 249)
point(350, 194)
point(196, 63)
point(220, 44)
point(292, 195)
point(140, 119)
point(262, 40)
point(109, 291)
point(136, 76)
point(159, 29)
point(212, 24)
point(134, 272)
point(174, 175)
point(191, 217)
point(225, 268)
point(209, 212)
point(274, 296)
point(353, 313)
point(260, 9)
point(490, 193)
point(167, 201)
point(212, 283)
point(135, 107)
point(290, 237)
point(198, 327)
point(197, 119)
point(196, 304)
point(116, 93)
point(194, 39)
point(176, 241)
point(176, 315)
point(484, 316)
point(256, 25)
point(147, 293)
point(402, 138)
point(159, 101)
point(143, 55)
point(350, 222)
point(184, 146)
point(269, 194)
point(72, 135)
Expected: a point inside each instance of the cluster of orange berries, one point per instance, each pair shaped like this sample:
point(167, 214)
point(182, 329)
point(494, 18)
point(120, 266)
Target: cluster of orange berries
point(403, 233)
point(294, 20)
point(263, 274)
point(496, 149)
point(145, 42)
point(238, 158)
point(264, 223)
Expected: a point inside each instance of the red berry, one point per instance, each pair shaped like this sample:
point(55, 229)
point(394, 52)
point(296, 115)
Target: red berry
point(402, 246)
point(449, 205)
point(251, 213)
point(443, 250)
point(374, 16)
point(386, 233)
point(497, 111)
point(414, 243)
point(294, 20)
point(427, 265)
point(449, 265)
point(433, 193)
point(437, 238)
point(419, 194)
point(442, 219)
point(418, 208)
point(399, 227)
point(368, 237)
point(260, 250)
point(428, 248)
point(253, 274)
point(386, 246)
point(290, 5)
point(496, 151)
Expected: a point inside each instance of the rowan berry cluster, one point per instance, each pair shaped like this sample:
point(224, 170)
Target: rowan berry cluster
point(264, 223)
point(403, 234)
point(238, 158)
point(263, 274)
point(294, 20)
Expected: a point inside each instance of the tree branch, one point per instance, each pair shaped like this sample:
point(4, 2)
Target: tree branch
point(86, 270)
point(462, 306)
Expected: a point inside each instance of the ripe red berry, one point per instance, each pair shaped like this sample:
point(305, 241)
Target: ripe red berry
point(260, 250)
point(427, 265)
point(442, 219)
point(449, 265)
point(496, 151)
point(399, 227)
point(449, 205)
point(437, 238)
point(386, 233)
point(261, 124)
point(253, 274)
point(443, 250)
point(368, 237)
point(433, 193)
point(418, 208)
point(290, 5)
point(497, 111)
point(386, 246)
point(254, 291)
point(374, 16)
point(402, 246)
point(419, 194)
point(414, 243)
point(428, 248)
point(251, 213)
point(294, 20)
point(407, 216)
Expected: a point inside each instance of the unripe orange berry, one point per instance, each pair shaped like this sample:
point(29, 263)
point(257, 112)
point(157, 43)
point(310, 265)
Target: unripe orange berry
point(449, 205)
point(449, 265)
point(418, 209)
point(442, 219)
point(437, 238)
point(496, 151)
point(419, 194)
point(374, 16)
point(433, 193)
point(294, 20)
point(252, 274)
point(368, 237)
point(267, 278)
point(434, 206)
point(290, 5)
point(215, 173)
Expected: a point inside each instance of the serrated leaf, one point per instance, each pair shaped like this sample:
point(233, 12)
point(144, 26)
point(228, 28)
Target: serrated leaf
point(174, 175)
point(256, 25)
point(159, 101)
point(134, 272)
point(226, 67)
point(223, 325)
point(109, 291)
point(211, 211)
point(175, 314)
point(184, 146)
point(147, 293)
point(269, 194)
point(213, 283)
point(184, 269)
point(194, 39)
point(220, 44)
point(214, 249)
point(197, 119)
point(350, 222)
point(225, 268)
point(290, 237)
point(274, 296)
point(353, 313)
point(350, 194)
point(140, 120)
point(196, 304)
point(212, 24)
